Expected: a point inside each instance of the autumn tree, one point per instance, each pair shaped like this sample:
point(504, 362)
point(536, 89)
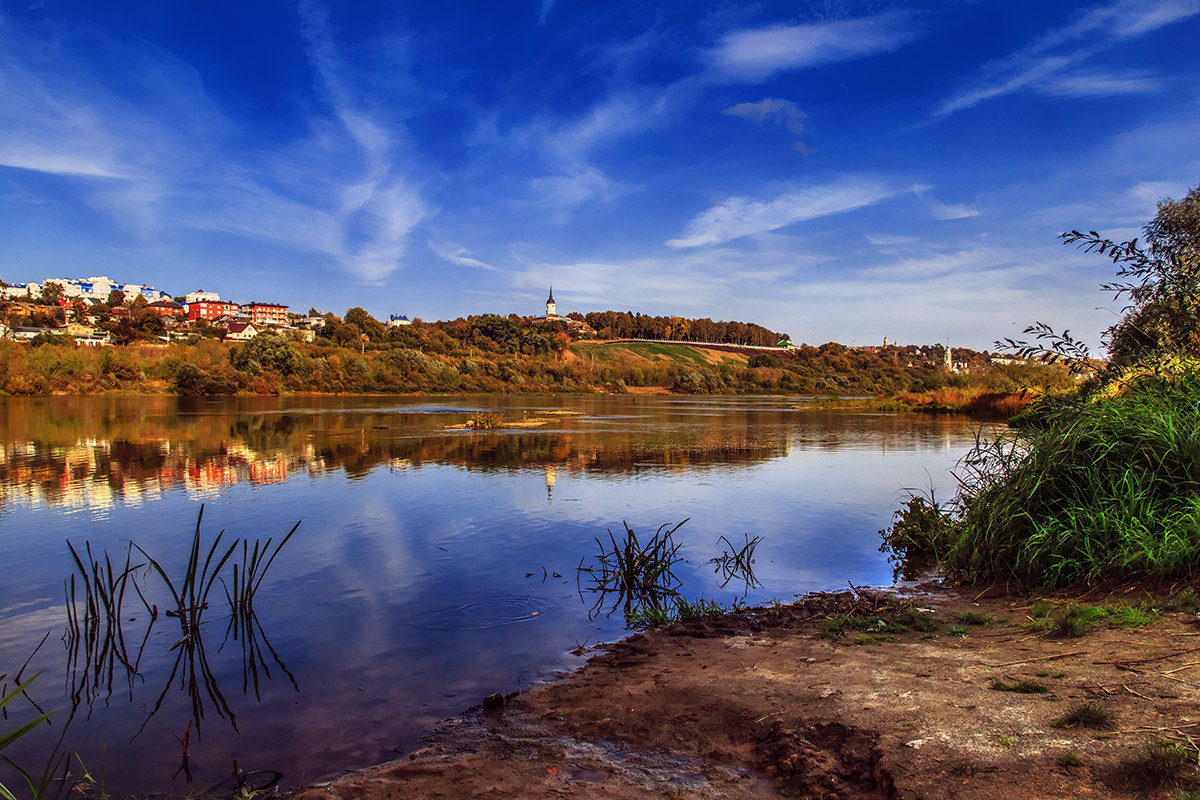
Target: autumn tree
point(1161, 282)
point(52, 293)
point(359, 317)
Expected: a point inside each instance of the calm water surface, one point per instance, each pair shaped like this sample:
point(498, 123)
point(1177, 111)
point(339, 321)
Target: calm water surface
point(432, 566)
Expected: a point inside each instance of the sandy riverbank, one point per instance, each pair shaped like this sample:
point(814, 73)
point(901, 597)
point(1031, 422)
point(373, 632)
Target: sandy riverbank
point(761, 704)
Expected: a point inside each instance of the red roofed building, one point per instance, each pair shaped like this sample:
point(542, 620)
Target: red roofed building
point(165, 308)
point(211, 309)
point(266, 313)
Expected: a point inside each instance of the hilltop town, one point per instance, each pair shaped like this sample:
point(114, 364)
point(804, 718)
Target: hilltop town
point(98, 311)
point(142, 339)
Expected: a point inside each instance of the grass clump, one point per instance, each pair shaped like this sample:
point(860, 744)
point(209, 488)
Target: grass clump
point(1077, 620)
point(1160, 763)
point(677, 609)
point(921, 533)
point(1040, 609)
point(1086, 715)
point(1020, 687)
point(1132, 616)
point(975, 618)
point(1070, 760)
point(486, 420)
point(837, 627)
point(1090, 488)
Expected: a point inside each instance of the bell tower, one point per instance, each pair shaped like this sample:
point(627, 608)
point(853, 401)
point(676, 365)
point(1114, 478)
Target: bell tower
point(550, 307)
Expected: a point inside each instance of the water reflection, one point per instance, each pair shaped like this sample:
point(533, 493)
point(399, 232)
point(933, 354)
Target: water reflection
point(100, 628)
point(435, 566)
point(100, 452)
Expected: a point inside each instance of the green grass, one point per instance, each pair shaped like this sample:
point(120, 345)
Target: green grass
point(1086, 490)
point(1077, 620)
point(837, 627)
point(1070, 760)
point(486, 420)
point(1020, 687)
point(637, 573)
point(38, 785)
point(677, 609)
point(1160, 763)
point(975, 618)
point(1086, 715)
point(1131, 616)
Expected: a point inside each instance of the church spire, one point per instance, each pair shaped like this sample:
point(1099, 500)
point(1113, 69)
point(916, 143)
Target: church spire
point(550, 308)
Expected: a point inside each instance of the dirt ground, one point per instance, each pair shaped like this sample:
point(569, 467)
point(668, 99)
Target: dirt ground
point(763, 704)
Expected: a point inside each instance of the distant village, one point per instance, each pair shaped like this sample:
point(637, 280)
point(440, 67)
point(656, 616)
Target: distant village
point(91, 311)
point(98, 311)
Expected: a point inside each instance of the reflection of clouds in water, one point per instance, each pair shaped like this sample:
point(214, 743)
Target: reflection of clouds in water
point(433, 522)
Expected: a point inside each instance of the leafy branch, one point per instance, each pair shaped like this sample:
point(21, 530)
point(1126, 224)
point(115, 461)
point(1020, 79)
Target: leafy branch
point(1050, 347)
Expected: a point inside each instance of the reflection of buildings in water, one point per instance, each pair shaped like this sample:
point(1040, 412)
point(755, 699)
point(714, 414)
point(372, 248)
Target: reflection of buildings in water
point(550, 473)
point(399, 464)
point(97, 474)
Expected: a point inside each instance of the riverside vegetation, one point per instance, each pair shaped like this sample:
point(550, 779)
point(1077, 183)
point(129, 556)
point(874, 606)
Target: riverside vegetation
point(103, 651)
point(490, 354)
point(1103, 484)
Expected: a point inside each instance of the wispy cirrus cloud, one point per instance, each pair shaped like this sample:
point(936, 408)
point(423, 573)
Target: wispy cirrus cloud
point(1087, 83)
point(944, 211)
point(377, 206)
point(736, 217)
point(458, 255)
point(755, 54)
point(162, 156)
point(1054, 63)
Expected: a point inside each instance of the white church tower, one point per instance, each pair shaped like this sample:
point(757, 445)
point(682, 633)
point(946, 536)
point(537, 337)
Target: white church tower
point(550, 307)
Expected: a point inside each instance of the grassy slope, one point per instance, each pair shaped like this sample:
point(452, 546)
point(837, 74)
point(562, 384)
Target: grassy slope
point(630, 353)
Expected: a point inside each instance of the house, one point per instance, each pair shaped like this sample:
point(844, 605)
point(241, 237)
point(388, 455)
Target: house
point(210, 309)
point(200, 296)
point(396, 320)
point(264, 314)
point(166, 308)
point(311, 322)
point(300, 334)
point(22, 333)
point(241, 331)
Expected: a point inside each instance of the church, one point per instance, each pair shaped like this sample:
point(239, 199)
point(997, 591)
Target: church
point(551, 309)
point(575, 326)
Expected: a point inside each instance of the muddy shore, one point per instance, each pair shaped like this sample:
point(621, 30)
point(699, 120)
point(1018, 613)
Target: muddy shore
point(767, 703)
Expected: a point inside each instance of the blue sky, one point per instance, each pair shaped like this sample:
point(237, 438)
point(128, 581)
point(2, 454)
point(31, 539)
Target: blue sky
point(836, 170)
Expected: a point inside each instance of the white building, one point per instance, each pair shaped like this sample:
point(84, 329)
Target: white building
point(95, 288)
point(200, 296)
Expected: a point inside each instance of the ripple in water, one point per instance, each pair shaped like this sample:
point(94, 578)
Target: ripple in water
point(505, 610)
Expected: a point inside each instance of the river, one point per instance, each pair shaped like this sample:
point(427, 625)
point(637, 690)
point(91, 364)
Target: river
point(432, 566)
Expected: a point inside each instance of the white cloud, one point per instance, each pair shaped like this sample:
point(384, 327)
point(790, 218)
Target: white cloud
point(1126, 19)
point(735, 217)
point(1100, 84)
point(772, 108)
point(458, 255)
point(1045, 65)
point(891, 240)
point(1026, 74)
point(756, 54)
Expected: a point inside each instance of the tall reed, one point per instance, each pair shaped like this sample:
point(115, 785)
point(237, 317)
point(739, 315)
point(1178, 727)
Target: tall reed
point(1090, 490)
